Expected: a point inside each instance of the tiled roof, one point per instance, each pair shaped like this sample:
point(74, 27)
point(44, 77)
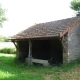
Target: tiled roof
point(49, 29)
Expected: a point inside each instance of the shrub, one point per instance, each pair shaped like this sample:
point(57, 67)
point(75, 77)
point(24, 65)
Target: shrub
point(8, 50)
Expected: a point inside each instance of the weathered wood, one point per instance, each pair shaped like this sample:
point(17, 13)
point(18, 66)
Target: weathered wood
point(30, 49)
point(17, 49)
point(44, 62)
point(15, 43)
point(30, 53)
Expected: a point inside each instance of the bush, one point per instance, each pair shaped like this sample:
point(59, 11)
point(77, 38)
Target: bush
point(8, 50)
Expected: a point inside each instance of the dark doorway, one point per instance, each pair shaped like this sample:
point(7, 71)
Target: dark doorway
point(56, 52)
point(50, 50)
point(41, 49)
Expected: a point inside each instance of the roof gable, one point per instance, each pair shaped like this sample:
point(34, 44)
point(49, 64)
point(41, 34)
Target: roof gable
point(49, 29)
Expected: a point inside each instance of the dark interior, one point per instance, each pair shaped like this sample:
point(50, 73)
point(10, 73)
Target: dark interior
point(50, 50)
point(23, 49)
point(41, 49)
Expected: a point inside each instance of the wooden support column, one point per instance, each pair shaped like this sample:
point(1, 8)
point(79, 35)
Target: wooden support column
point(30, 53)
point(30, 49)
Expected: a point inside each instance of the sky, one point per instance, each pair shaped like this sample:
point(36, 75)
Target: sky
point(21, 14)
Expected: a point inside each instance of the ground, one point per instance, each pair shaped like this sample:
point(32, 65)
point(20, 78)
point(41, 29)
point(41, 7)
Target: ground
point(10, 69)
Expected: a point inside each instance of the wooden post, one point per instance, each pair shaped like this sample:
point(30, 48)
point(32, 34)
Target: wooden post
point(30, 49)
point(30, 53)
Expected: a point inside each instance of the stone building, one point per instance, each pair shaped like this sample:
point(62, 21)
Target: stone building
point(54, 42)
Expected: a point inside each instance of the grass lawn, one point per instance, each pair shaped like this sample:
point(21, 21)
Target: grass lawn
point(13, 70)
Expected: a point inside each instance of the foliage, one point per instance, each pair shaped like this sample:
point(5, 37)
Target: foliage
point(8, 50)
point(12, 70)
point(2, 16)
point(4, 39)
point(75, 5)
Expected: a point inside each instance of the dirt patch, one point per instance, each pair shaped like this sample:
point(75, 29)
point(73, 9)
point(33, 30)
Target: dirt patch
point(47, 77)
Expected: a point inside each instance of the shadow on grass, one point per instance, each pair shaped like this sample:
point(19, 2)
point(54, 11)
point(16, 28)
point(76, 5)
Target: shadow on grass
point(14, 70)
point(11, 70)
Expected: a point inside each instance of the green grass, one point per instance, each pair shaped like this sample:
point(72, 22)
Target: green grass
point(8, 50)
point(14, 70)
point(7, 47)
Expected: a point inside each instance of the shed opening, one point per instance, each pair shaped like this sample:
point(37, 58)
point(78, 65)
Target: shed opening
point(50, 50)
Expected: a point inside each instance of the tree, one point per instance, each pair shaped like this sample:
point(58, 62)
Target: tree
point(4, 39)
point(2, 16)
point(75, 5)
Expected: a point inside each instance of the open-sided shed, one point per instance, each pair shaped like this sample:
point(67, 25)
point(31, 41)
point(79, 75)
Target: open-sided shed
point(54, 42)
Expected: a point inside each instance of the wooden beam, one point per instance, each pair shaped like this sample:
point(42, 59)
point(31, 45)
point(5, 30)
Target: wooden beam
point(15, 43)
point(17, 49)
point(30, 49)
point(30, 53)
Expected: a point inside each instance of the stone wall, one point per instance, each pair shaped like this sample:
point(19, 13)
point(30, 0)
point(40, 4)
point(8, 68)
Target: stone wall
point(74, 43)
point(65, 48)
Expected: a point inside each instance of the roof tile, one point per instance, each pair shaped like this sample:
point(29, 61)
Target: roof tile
point(48, 29)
